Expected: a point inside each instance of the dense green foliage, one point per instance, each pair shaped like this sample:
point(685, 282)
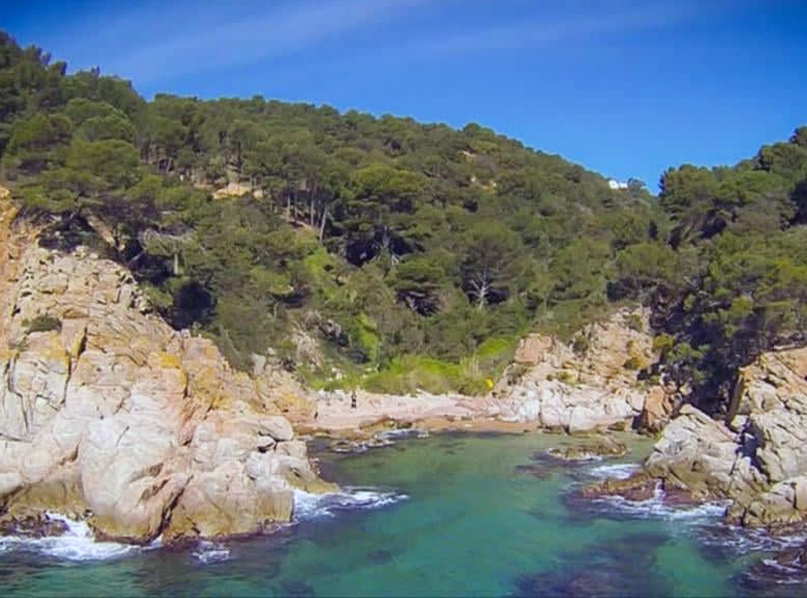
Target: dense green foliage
point(734, 283)
point(402, 254)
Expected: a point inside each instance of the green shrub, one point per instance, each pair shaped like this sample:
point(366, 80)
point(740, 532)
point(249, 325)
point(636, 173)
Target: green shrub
point(159, 298)
point(410, 373)
point(43, 323)
point(634, 322)
point(634, 362)
point(581, 344)
point(663, 343)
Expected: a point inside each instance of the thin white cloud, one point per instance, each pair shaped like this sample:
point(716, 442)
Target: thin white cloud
point(157, 42)
point(153, 45)
point(569, 22)
point(580, 21)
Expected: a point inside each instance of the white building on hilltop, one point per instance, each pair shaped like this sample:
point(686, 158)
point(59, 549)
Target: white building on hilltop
point(614, 184)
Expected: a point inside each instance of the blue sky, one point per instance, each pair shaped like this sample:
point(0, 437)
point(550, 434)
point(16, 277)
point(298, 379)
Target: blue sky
point(624, 87)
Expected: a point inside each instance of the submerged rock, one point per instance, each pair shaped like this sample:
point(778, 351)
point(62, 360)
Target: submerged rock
point(616, 567)
point(34, 526)
point(638, 487)
point(110, 416)
point(785, 570)
point(536, 470)
point(604, 447)
point(795, 558)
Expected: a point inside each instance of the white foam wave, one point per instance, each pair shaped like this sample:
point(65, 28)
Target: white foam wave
point(402, 434)
point(312, 506)
point(76, 544)
point(617, 471)
point(746, 540)
point(582, 457)
point(790, 571)
point(657, 508)
point(211, 552)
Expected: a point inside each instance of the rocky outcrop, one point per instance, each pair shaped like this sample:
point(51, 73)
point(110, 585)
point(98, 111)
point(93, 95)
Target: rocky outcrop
point(704, 455)
point(588, 385)
point(604, 447)
point(658, 408)
point(758, 459)
point(638, 488)
point(109, 415)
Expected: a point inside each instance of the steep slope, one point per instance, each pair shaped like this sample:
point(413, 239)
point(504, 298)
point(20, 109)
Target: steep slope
point(108, 414)
point(344, 241)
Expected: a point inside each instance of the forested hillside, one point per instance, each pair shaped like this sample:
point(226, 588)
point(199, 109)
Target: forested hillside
point(396, 254)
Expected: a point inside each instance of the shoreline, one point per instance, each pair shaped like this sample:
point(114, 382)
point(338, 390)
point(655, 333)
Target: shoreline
point(334, 417)
point(433, 424)
point(362, 415)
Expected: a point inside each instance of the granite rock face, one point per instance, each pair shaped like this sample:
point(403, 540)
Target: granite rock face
point(758, 459)
point(108, 414)
point(591, 386)
point(705, 456)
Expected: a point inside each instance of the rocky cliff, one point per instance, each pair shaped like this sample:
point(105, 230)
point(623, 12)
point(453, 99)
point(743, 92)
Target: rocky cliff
point(109, 415)
point(758, 458)
point(589, 384)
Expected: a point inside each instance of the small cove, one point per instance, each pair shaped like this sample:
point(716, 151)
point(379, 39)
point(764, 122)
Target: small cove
point(447, 515)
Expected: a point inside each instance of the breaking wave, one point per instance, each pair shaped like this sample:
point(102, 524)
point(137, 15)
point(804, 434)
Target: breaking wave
point(312, 506)
point(211, 552)
point(76, 544)
point(618, 471)
point(657, 508)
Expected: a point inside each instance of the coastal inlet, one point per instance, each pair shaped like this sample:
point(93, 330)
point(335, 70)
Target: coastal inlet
point(447, 515)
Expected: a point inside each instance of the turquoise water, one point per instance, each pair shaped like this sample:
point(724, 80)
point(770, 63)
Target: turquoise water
point(441, 516)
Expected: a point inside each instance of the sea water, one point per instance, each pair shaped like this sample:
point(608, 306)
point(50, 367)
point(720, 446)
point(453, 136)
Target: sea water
point(447, 515)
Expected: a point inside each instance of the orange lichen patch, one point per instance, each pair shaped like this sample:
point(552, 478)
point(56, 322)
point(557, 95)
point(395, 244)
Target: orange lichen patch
point(222, 402)
point(53, 350)
point(165, 360)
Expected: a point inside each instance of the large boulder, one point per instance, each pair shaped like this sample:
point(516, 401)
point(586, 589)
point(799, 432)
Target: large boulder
point(657, 409)
point(705, 456)
point(772, 401)
point(784, 504)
